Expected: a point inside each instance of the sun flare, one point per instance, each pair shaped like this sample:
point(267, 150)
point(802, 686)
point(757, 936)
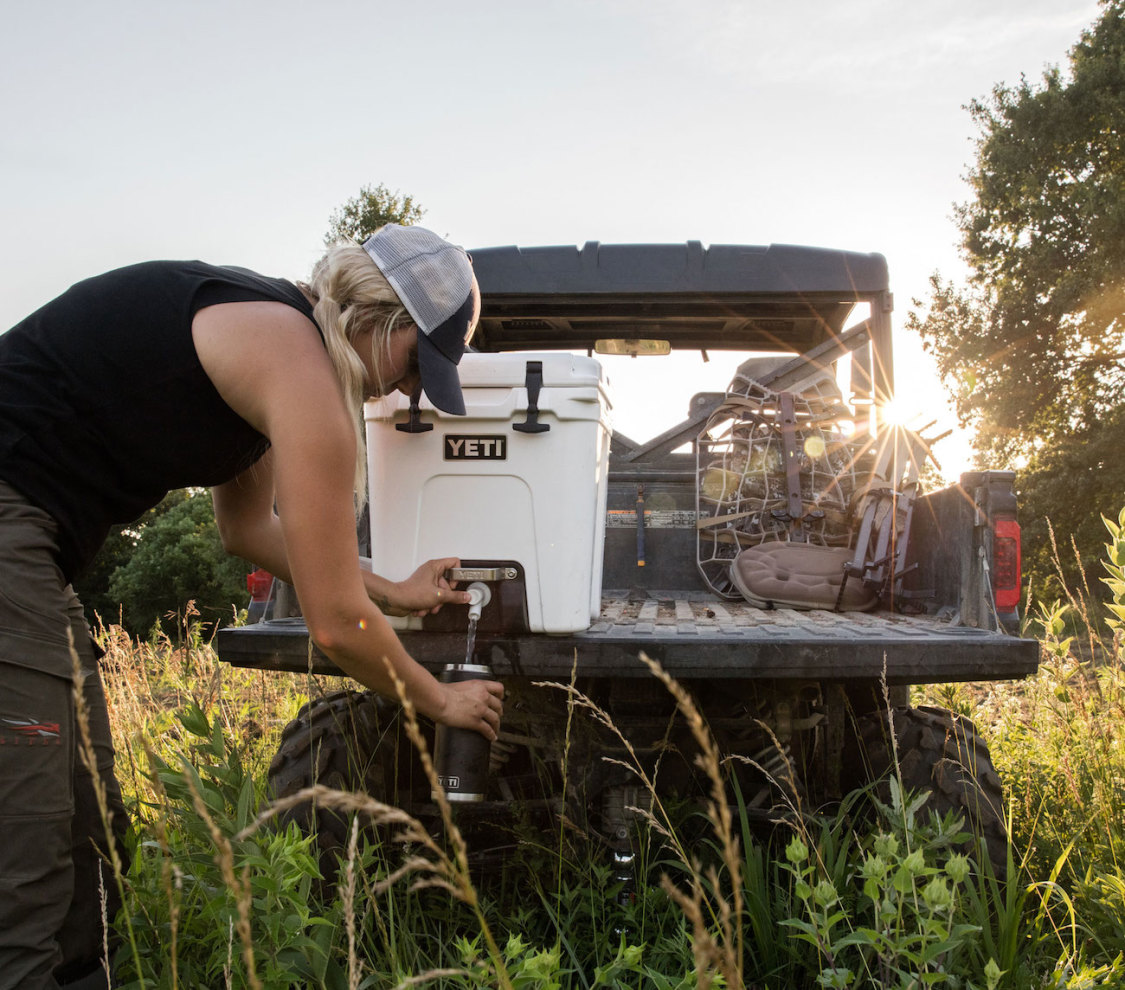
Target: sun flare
point(894, 412)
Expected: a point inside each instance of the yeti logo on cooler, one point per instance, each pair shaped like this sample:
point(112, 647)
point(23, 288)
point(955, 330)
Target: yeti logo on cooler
point(475, 448)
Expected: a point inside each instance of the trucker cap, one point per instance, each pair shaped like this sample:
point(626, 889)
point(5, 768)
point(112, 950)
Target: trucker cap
point(434, 280)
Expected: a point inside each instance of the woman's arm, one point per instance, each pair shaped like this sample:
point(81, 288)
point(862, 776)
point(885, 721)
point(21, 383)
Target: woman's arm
point(248, 526)
point(250, 529)
point(268, 363)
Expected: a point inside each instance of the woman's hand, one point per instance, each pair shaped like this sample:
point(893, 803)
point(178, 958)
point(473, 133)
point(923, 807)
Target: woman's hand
point(475, 705)
point(427, 589)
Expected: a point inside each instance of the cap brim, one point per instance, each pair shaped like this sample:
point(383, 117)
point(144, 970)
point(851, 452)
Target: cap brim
point(439, 353)
point(440, 380)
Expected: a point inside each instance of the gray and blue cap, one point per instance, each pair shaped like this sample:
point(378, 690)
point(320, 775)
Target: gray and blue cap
point(434, 281)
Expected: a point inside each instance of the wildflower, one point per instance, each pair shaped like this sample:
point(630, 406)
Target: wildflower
point(825, 894)
point(936, 894)
point(886, 845)
point(992, 973)
point(915, 863)
point(875, 867)
point(957, 868)
point(631, 954)
point(796, 852)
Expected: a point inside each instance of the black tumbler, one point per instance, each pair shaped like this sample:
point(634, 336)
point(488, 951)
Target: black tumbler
point(461, 755)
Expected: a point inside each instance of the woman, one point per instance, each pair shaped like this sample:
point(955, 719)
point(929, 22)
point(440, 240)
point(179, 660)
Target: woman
point(170, 374)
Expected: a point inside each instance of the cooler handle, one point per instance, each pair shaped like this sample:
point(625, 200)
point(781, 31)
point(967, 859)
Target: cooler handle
point(534, 383)
point(415, 424)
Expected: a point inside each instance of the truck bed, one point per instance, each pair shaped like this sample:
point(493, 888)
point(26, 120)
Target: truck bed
point(693, 635)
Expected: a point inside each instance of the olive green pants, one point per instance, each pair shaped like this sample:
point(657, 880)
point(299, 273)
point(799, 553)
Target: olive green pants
point(54, 887)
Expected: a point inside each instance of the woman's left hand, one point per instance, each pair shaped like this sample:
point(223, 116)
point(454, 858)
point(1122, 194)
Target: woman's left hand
point(427, 589)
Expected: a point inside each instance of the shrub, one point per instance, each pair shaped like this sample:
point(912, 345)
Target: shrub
point(148, 571)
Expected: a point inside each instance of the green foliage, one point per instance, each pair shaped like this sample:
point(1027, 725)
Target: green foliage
point(375, 206)
point(1114, 565)
point(826, 900)
point(195, 881)
point(1065, 489)
point(907, 913)
point(169, 557)
point(587, 914)
point(1033, 347)
point(1049, 623)
point(1059, 742)
point(93, 586)
point(532, 968)
point(1066, 758)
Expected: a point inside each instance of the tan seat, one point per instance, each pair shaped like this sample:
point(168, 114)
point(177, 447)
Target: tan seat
point(799, 575)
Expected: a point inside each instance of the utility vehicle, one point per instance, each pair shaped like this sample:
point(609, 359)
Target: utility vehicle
point(791, 453)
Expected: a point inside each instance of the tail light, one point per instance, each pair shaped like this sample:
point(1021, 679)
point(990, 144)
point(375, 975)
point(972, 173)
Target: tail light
point(1006, 564)
point(258, 584)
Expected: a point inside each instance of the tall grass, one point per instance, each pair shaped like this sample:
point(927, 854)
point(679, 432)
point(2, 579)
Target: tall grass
point(220, 896)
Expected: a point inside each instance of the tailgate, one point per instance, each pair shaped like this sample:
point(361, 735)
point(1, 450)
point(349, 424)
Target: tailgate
point(693, 636)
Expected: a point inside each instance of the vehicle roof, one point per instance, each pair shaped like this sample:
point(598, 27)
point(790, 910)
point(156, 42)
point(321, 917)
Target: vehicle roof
point(776, 297)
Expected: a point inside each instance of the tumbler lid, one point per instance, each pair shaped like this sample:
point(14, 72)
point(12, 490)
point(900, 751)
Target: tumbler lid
point(468, 668)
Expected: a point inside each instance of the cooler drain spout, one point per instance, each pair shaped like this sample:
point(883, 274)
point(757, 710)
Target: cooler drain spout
point(479, 596)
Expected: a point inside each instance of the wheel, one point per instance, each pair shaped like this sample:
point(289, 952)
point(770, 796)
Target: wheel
point(349, 741)
point(940, 752)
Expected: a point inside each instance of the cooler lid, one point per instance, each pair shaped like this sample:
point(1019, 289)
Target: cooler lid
point(559, 370)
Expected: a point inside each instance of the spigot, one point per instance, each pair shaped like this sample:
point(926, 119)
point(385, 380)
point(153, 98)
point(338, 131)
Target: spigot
point(479, 596)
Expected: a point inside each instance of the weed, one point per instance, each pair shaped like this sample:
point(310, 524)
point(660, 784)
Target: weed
point(220, 895)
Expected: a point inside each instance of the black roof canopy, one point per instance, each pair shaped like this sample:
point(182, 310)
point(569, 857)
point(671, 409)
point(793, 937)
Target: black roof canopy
point(725, 297)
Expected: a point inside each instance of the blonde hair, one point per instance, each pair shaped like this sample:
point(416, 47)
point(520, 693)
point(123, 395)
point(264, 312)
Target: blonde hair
point(350, 295)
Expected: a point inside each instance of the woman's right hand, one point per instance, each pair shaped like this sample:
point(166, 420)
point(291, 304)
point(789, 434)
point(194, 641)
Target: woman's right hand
point(427, 589)
point(475, 705)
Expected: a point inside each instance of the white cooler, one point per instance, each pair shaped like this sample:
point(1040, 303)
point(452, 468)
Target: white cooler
point(478, 488)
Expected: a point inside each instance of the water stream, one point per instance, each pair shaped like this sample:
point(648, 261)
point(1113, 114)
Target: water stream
point(472, 640)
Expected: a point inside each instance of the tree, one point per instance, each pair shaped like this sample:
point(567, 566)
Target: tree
point(1070, 485)
point(178, 557)
point(93, 586)
point(1033, 346)
point(375, 206)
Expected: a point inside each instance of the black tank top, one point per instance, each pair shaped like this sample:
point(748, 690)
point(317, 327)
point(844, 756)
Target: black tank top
point(104, 406)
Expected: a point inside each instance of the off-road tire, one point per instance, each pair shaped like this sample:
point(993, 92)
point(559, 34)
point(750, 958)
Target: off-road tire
point(348, 741)
point(940, 752)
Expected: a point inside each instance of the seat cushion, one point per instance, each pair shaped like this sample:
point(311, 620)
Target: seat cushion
point(799, 575)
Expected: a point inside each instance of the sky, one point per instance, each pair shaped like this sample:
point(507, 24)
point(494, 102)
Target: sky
point(229, 130)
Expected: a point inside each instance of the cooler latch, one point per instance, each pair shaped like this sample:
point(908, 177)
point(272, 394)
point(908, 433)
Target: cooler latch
point(534, 384)
point(415, 424)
